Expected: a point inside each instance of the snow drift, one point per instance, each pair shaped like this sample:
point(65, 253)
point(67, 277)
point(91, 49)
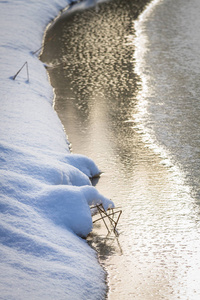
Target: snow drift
point(45, 190)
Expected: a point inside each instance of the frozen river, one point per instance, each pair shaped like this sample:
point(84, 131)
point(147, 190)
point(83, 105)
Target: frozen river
point(129, 100)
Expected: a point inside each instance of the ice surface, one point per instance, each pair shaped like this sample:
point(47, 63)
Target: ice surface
point(45, 190)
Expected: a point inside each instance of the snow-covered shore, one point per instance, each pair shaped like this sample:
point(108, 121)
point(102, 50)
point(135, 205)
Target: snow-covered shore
point(45, 190)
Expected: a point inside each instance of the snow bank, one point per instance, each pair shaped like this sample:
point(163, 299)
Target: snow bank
point(45, 190)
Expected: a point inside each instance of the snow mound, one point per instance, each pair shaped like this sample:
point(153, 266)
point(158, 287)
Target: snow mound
point(45, 190)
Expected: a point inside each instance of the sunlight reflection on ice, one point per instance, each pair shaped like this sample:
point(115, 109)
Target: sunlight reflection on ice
point(185, 243)
point(146, 91)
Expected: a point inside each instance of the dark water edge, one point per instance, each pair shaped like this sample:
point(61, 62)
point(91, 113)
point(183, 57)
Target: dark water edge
point(74, 63)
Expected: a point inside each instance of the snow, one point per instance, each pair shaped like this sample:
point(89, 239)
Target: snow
point(45, 190)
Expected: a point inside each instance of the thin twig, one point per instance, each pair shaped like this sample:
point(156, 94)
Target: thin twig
point(110, 216)
point(26, 63)
point(27, 71)
point(102, 218)
point(49, 39)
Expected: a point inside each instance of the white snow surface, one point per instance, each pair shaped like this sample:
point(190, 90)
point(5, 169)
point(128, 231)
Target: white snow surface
point(45, 191)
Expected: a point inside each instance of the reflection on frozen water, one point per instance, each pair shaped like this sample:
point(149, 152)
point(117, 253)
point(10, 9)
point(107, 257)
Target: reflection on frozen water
point(100, 101)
